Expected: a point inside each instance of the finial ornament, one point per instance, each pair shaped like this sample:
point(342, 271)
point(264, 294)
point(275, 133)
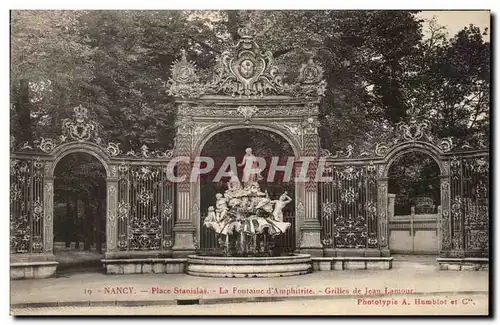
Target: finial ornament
point(184, 71)
point(247, 32)
point(310, 72)
point(184, 79)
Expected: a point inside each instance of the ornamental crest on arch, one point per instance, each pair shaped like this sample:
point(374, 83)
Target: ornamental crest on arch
point(244, 70)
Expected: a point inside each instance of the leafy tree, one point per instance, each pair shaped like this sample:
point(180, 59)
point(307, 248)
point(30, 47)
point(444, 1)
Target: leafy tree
point(48, 63)
point(450, 83)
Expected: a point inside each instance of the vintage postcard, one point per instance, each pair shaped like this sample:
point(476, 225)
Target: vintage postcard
point(245, 162)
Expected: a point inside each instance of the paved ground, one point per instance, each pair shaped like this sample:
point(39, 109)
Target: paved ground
point(465, 305)
point(413, 277)
point(68, 257)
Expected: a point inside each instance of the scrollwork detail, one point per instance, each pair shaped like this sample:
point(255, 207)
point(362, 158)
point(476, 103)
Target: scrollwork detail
point(244, 70)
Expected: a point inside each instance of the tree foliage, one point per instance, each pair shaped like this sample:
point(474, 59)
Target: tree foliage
point(412, 176)
point(450, 83)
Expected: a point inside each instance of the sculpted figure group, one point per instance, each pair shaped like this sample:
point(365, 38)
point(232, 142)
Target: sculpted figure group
point(245, 209)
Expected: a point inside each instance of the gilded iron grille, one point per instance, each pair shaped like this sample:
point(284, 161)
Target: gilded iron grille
point(26, 205)
point(145, 208)
point(469, 208)
point(348, 207)
point(286, 242)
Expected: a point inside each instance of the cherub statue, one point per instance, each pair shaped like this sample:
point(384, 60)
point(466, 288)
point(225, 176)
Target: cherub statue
point(279, 205)
point(221, 207)
point(211, 217)
point(211, 220)
point(234, 183)
point(245, 203)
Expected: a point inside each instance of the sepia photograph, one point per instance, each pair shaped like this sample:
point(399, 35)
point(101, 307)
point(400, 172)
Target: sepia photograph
point(250, 162)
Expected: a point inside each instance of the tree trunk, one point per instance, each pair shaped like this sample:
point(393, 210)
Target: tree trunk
point(98, 220)
point(233, 24)
point(67, 224)
point(23, 110)
point(76, 228)
point(87, 225)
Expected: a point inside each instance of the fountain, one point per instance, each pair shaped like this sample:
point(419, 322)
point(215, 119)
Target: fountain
point(246, 222)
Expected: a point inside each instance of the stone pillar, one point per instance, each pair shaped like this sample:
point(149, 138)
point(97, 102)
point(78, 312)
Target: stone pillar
point(184, 229)
point(196, 211)
point(382, 208)
point(300, 192)
point(111, 214)
point(439, 228)
point(390, 208)
point(310, 230)
point(310, 240)
point(445, 245)
point(455, 217)
point(48, 215)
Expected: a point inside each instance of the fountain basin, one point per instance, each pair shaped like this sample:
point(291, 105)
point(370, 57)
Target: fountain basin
point(248, 267)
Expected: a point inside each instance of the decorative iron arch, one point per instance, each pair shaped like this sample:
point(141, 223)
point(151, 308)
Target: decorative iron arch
point(79, 147)
point(418, 146)
point(79, 135)
point(210, 133)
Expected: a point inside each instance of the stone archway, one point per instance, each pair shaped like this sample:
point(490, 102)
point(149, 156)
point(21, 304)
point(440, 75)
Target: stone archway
point(279, 148)
point(237, 97)
point(204, 137)
point(436, 154)
point(58, 154)
point(79, 147)
point(414, 203)
point(79, 211)
point(299, 129)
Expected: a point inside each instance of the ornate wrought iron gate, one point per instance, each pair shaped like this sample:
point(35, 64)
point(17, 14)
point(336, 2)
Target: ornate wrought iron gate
point(469, 205)
point(26, 205)
point(349, 207)
point(145, 208)
point(353, 203)
point(140, 197)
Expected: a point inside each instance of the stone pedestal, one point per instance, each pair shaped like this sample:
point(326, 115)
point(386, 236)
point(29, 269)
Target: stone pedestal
point(352, 252)
point(32, 270)
point(351, 263)
point(385, 252)
point(144, 265)
point(184, 239)
point(463, 264)
point(32, 266)
point(310, 242)
point(123, 255)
